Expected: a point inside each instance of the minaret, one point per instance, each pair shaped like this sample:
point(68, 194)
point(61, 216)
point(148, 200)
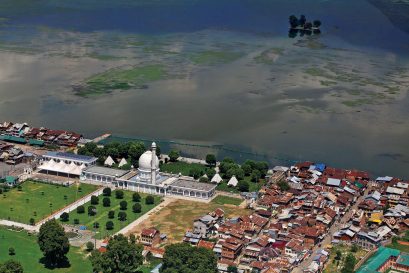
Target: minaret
point(153, 163)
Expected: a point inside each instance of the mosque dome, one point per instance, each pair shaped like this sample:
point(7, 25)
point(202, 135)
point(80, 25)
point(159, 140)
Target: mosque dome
point(145, 161)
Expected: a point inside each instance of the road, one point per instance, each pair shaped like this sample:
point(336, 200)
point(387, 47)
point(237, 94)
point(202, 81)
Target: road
point(328, 238)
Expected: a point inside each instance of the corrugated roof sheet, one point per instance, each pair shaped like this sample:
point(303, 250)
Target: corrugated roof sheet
point(379, 258)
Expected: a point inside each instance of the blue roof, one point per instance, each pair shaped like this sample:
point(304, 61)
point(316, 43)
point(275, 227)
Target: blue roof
point(71, 156)
point(320, 167)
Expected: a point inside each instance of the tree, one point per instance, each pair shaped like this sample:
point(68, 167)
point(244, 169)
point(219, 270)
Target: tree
point(210, 172)
point(80, 209)
point(137, 208)
point(136, 197)
point(232, 269)
point(283, 185)
point(316, 23)
point(255, 175)
point(349, 264)
point(12, 251)
point(243, 186)
point(53, 242)
point(123, 205)
point(11, 266)
point(293, 21)
point(109, 225)
point(106, 202)
point(185, 258)
point(204, 179)
point(195, 173)
point(236, 171)
point(106, 191)
point(174, 155)
point(308, 26)
point(247, 169)
point(354, 248)
point(121, 256)
point(262, 166)
point(302, 20)
point(111, 214)
point(92, 210)
point(150, 200)
point(76, 221)
point(65, 217)
point(32, 221)
point(122, 216)
point(119, 194)
point(136, 149)
point(94, 200)
point(90, 246)
point(211, 159)
point(338, 255)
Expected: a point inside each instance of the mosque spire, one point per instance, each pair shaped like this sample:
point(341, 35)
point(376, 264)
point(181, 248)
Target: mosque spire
point(153, 163)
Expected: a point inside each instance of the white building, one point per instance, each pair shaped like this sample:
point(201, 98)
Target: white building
point(66, 164)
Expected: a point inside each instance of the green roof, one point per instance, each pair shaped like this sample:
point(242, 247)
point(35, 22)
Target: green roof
point(36, 142)
point(359, 185)
point(403, 259)
point(376, 260)
point(13, 139)
point(11, 179)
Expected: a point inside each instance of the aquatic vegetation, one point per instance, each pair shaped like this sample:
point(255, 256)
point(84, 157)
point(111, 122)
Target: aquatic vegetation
point(211, 57)
point(121, 79)
point(328, 83)
point(269, 56)
point(104, 57)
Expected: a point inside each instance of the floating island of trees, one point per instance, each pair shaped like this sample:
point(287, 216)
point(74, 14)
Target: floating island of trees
point(302, 27)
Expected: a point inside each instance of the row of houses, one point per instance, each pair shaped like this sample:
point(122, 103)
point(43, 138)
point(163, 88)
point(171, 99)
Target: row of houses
point(22, 133)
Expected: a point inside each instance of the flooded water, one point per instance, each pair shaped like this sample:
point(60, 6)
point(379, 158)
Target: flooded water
point(232, 75)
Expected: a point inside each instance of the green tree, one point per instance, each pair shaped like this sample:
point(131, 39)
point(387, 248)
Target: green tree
point(123, 205)
point(247, 169)
point(174, 155)
point(243, 186)
point(109, 225)
point(262, 166)
point(293, 21)
point(12, 251)
point(349, 264)
point(90, 246)
point(180, 258)
point(119, 194)
point(122, 216)
point(210, 172)
point(135, 151)
point(65, 217)
point(106, 191)
point(106, 202)
point(236, 171)
point(204, 179)
point(121, 256)
point(338, 255)
point(354, 248)
point(53, 242)
point(92, 210)
point(137, 208)
point(255, 175)
point(94, 200)
point(195, 173)
point(80, 209)
point(150, 200)
point(211, 159)
point(316, 23)
point(283, 185)
point(111, 214)
point(136, 197)
point(11, 266)
point(232, 269)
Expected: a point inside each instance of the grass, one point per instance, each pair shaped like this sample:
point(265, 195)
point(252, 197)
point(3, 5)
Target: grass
point(28, 254)
point(225, 200)
point(345, 250)
point(211, 57)
point(121, 79)
point(403, 248)
point(177, 217)
point(34, 200)
point(102, 213)
point(253, 187)
point(182, 167)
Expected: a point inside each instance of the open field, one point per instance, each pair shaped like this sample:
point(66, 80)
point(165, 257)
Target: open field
point(38, 200)
point(28, 254)
point(102, 213)
point(227, 200)
point(334, 265)
point(176, 218)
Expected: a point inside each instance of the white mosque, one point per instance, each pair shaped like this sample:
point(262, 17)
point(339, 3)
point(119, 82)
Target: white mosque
point(148, 179)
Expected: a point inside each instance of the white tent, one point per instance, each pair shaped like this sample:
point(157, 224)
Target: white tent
point(217, 178)
point(122, 162)
point(109, 161)
point(205, 175)
point(233, 181)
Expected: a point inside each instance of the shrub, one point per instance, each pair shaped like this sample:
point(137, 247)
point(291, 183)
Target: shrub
point(136, 197)
point(90, 246)
point(204, 179)
point(137, 208)
point(123, 205)
point(150, 200)
point(12, 251)
point(64, 217)
point(122, 216)
point(92, 210)
point(76, 221)
point(94, 200)
point(119, 194)
point(80, 209)
point(109, 225)
point(106, 192)
point(32, 221)
point(243, 186)
point(106, 202)
point(19, 188)
point(95, 225)
point(111, 214)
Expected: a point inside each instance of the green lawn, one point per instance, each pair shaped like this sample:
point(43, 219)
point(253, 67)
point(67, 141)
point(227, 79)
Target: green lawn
point(227, 200)
point(102, 213)
point(37, 200)
point(182, 167)
point(28, 254)
point(253, 187)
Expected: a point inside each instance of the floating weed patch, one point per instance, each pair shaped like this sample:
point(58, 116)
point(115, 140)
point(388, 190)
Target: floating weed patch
point(328, 83)
point(214, 57)
point(269, 56)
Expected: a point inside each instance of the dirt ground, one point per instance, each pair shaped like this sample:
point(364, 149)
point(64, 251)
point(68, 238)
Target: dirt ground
point(176, 218)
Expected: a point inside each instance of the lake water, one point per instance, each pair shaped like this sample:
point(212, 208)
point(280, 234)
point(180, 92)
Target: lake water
point(233, 76)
